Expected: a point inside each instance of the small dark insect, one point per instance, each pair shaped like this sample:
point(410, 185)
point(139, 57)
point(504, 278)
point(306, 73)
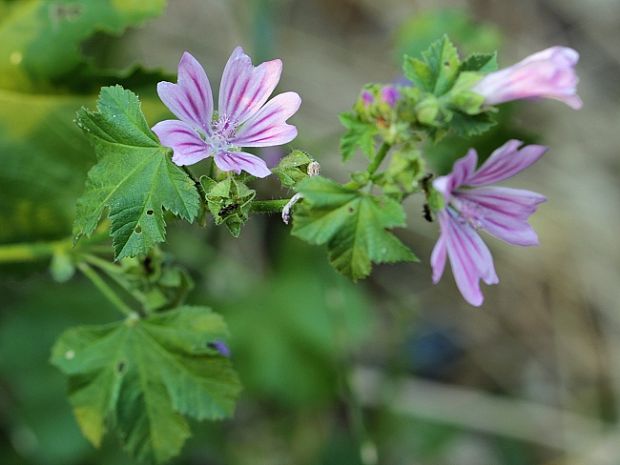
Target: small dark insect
point(227, 210)
point(424, 182)
point(120, 367)
point(427, 213)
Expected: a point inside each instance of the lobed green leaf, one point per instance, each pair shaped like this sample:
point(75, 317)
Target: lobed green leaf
point(134, 179)
point(140, 377)
point(438, 70)
point(353, 225)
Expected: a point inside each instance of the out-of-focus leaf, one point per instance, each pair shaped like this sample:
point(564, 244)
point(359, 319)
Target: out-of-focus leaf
point(134, 178)
point(44, 157)
point(40, 39)
point(292, 329)
point(417, 34)
point(44, 161)
point(353, 225)
point(33, 404)
point(471, 125)
point(140, 377)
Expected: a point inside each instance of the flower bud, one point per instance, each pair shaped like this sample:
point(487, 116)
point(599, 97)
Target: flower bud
point(546, 74)
point(426, 111)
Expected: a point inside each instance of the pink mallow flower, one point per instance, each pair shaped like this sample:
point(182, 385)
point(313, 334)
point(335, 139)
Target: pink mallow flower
point(244, 119)
point(470, 205)
point(546, 74)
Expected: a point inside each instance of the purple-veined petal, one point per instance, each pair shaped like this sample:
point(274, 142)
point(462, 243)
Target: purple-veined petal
point(470, 258)
point(505, 162)
point(187, 145)
point(461, 172)
point(438, 259)
point(244, 89)
point(546, 74)
point(503, 212)
point(268, 127)
point(191, 99)
point(238, 161)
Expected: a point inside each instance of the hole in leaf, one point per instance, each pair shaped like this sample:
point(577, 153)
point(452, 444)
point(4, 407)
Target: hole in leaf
point(351, 210)
point(120, 367)
point(149, 212)
point(138, 229)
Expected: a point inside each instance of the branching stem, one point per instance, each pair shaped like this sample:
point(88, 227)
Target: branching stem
point(105, 289)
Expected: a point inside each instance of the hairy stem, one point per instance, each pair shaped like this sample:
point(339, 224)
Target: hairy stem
point(379, 157)
point(105, 289)
point(269, 206)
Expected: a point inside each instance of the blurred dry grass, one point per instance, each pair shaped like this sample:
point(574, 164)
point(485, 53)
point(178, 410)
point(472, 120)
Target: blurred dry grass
point(549, 335)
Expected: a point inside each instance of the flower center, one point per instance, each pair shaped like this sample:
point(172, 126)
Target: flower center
point(222, 131)
point(468, 211)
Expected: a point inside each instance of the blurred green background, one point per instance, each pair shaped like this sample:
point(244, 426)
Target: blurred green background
point(391, 371)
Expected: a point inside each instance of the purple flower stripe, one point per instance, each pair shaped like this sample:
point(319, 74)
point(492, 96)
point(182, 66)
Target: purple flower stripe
point(238, 161)
point(190, 99)
point(188, 148)
point(268, 127)
point(505, 162)
point(470, 258)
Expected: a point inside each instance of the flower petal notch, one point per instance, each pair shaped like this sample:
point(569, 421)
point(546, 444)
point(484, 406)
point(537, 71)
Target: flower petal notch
point(471, 205)
point(245, 117)
point(547, 74)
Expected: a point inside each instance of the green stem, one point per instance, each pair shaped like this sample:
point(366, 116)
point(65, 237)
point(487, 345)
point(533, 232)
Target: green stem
point(269, 206)
point(29, 252)
point(114, 272)
point(379, 157)
point(106, 290)
point(104, 265)
point(202, 216)
point(193, 178)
